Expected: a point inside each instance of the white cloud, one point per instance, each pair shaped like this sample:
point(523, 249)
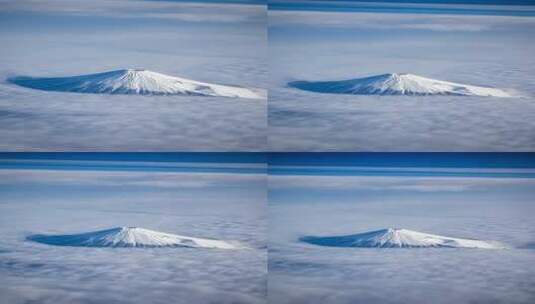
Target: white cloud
point(382, 183)
point(170, 180)
point(181, 11)
point(447, 170)
point(382, 21)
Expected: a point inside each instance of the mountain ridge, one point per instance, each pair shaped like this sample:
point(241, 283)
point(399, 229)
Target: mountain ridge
point(129, 237)
point(399, 238)
point(134, 82)
point(397, 84)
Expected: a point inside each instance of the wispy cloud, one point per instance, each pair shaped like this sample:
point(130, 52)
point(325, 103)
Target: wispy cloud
point(387, 183)
point(169, 180)
point(423, 171)
point(382, 21)
point(116, 165)
point(180, 11)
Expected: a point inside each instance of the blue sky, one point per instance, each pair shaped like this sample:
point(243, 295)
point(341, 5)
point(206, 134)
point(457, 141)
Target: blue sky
point(497, 2)
point(162, 162)
point(195, 177)
point(497, 8)
point(433, 164)
point(456, 160)
point(68, 16)
point(353, 178)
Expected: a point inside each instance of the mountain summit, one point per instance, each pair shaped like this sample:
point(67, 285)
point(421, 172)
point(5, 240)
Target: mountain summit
point(398, 238)
point(134, 81)
point(128, 237)
point(396, 84)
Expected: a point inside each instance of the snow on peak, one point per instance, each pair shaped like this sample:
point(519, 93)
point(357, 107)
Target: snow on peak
point(397, 84)
point(134, 81)
point(399, 238)
point(129, 237)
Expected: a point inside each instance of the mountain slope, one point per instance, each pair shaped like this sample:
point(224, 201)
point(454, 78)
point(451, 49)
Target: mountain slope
point(396, 84)
point(128, 237)
point(133, 81)
point(398, 238)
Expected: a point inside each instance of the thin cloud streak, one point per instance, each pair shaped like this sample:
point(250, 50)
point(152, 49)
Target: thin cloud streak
point(179, 11)
point(382, 183)
point(441, 23)
point(130, 179)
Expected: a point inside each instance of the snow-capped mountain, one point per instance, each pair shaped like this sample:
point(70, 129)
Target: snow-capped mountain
point(399, 238)
point(397, 84)
point(134, 81)
point(129, 237)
